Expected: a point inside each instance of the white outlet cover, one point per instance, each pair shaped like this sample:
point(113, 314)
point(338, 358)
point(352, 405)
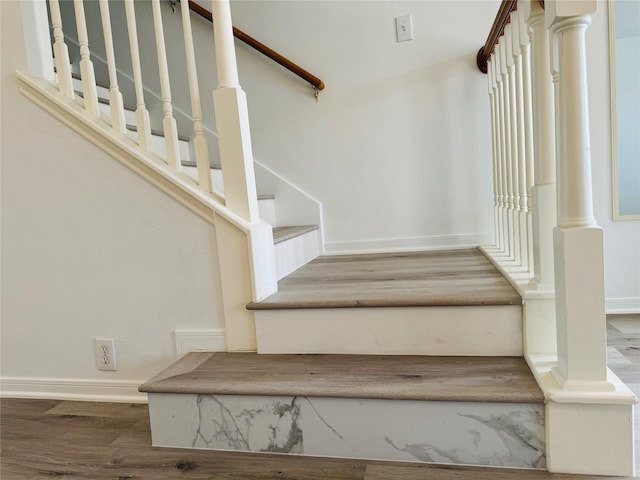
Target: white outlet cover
point(404, 28)
point(105, 351)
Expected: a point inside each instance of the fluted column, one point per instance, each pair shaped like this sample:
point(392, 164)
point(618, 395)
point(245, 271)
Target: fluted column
point(578, 241)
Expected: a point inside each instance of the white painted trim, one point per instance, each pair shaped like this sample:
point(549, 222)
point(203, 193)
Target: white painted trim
point(89, 390)
point(149, 166)
point(296, 252)
point(200, 340)
point(622, 305)
point(407, 244)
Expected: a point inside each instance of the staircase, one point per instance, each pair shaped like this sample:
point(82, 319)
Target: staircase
point(415, 356)
point(405, 357)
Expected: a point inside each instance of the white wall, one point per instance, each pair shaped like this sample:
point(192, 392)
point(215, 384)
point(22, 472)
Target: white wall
point(397, 149)
point(622, 238)
point(89, 249)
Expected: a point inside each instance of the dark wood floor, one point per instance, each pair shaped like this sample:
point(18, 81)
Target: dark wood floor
point(44, 439)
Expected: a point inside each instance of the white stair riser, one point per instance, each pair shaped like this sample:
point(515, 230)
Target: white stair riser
point(462, 433)
point(216, 178)
point(466, 331)
point(296, 252)
point(129, 116)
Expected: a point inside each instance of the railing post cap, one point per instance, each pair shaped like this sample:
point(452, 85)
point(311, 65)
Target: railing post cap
point(559, 10)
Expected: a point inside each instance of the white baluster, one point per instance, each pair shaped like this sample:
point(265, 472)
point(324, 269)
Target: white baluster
point(509, 139)
point(525, 48)
point(496, 78)
point(543, 193)
point(89, 90)
point(521, 174)
point(61, 52)
point(168, 122)
point(505, 143)
point(494, 148)
point(199, 141)
point(578, 241)
point(232, 119)
point(513, 160)
point(115, 97)
point(143, 123)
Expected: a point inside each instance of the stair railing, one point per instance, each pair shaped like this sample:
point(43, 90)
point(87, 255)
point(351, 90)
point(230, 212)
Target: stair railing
point(262, 48)
point(546, 236)
point(244, 242)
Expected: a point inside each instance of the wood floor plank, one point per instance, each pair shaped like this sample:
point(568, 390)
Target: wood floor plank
point(488, 379)
point(438, 278)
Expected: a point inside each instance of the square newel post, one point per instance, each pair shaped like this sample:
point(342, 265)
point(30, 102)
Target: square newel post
point(588, 410)
point(578, 240)
point(232, 121)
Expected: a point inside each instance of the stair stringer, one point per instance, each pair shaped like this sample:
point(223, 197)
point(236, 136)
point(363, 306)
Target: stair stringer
point(239, 242)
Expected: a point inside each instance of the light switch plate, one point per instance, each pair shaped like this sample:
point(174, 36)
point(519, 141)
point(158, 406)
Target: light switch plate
point(404, 28)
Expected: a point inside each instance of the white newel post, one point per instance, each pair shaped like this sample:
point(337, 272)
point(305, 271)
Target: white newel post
point(578, 241)
point(143, 123)
point(115, 97)
point(37, 41)
point(169, 126)
point(247, 260)
point(232, 120)
point(87, 73)
point(201, 148)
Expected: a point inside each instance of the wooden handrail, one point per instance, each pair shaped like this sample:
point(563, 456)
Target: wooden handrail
point(262, 48)
point(497, 29)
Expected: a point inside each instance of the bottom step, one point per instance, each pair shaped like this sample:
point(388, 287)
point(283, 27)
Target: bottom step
point(454, 410)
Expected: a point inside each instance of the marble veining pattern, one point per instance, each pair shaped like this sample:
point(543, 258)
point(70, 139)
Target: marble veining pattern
point(493, 434)
point(265, 425)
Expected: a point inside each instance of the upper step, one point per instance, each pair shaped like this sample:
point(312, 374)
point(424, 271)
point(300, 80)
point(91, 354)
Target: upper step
point(452, 302)
point(436, 278)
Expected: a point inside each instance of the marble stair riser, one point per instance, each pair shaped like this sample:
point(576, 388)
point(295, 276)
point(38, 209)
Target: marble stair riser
point(481, 330)
point(461, 433)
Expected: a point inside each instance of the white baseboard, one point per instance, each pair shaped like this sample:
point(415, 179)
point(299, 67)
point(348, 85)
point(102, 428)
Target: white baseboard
point(407, 244)
point(622, 305)
point(200, 340)
point(88, 390)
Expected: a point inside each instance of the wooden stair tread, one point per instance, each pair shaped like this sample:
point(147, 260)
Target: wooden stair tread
point(281, 234)
point(391, 377)
point(462, 277)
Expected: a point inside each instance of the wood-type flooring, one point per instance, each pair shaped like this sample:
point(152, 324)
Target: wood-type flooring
point(390, 377)
point(44, 439)
point(463, 277)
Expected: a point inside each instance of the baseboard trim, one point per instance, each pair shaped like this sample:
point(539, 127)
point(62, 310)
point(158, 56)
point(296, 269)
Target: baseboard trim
point(88, 390)
point(622, 305)
point(200, 340)
point(407, 244)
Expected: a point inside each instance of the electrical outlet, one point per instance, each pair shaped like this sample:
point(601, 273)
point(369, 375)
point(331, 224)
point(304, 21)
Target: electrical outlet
point(105, 353)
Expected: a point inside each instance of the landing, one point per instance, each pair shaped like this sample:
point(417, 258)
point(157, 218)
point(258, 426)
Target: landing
point(434, 278)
